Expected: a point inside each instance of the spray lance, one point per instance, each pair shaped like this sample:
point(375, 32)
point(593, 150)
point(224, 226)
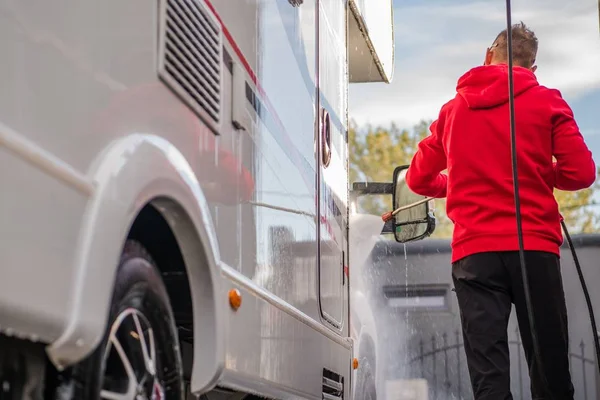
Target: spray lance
point(530, 313)
point(391, 214)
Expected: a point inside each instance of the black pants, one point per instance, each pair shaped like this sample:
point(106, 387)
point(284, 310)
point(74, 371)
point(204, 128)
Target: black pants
point(486, 284)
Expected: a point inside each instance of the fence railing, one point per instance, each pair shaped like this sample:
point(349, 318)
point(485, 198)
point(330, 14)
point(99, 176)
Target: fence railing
point(435, 356)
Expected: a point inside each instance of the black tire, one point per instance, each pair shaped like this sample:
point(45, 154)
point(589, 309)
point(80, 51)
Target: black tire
point(365, 388)
point(140, 309)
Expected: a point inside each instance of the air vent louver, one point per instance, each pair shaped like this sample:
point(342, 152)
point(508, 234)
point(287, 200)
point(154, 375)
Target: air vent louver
point(333, 385)
point(190, 56)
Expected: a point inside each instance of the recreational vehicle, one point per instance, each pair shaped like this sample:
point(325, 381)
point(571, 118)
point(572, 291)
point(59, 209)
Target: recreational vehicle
point(157, 158)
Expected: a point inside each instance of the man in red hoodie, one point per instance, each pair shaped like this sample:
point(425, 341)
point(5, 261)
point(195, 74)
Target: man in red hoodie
point(471, 139)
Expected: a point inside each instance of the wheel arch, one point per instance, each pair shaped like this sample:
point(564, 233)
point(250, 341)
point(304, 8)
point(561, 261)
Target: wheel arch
point(181, 257)
point(127, 181)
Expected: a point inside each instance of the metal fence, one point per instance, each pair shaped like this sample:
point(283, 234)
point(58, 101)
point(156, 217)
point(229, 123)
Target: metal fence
point(443, 365)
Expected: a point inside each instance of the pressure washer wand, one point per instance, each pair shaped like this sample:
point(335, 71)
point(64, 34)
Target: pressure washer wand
point(391, 214)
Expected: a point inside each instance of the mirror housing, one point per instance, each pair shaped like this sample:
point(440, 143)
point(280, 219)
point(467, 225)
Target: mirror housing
point(417, 220)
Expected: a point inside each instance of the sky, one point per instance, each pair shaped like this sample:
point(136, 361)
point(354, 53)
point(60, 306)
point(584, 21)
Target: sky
point(436, 41)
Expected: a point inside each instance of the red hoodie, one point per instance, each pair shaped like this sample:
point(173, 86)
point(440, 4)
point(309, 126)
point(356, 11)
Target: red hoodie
point(471, 139)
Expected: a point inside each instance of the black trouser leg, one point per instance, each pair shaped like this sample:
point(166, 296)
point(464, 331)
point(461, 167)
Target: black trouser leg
point(550, 313)
point(482, 286)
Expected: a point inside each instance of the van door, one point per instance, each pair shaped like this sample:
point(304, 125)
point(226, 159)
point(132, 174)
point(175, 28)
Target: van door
point(333, 166)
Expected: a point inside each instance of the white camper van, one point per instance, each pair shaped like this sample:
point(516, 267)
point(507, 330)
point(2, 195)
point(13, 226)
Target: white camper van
point(157, 158)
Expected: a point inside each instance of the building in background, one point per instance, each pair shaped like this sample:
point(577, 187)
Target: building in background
point(418, 318)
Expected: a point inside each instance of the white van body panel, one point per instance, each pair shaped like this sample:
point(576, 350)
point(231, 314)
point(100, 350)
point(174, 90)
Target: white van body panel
point(212, 112)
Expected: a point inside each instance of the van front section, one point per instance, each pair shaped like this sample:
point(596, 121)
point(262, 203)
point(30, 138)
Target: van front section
point(211, 136)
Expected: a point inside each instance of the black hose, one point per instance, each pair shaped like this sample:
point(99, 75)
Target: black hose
point(513, 143)
point(585, 293)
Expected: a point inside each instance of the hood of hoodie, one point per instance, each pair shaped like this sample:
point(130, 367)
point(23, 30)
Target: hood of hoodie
point(487, 86)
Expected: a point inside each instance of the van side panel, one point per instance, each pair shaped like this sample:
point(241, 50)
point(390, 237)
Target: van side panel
point(282, 320)
point(273, 43)
point(80, 81)
point(333, 175)
point(61, 65)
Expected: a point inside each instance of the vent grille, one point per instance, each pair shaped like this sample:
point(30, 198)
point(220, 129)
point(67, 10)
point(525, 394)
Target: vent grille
point(333, 385)
point(190, 56)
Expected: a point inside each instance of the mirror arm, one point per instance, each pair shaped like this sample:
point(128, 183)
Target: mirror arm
point(366, 188)
point(388, 227)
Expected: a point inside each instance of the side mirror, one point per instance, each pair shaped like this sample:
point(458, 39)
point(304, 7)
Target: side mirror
point(416, 220)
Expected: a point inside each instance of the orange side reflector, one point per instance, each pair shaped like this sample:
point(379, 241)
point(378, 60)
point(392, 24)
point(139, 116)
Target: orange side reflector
point(235, 299)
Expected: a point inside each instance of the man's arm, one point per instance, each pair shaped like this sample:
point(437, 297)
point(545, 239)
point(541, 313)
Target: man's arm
point(574, 168)
point(424, 176)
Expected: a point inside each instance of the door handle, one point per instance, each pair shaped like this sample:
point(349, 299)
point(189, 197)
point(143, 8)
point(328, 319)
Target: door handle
point(325, 138)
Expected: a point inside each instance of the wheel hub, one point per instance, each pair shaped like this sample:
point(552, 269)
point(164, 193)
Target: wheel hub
point(130, 360)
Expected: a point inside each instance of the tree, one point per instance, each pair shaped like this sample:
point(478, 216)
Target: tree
point(376, 151)
point(578, 209)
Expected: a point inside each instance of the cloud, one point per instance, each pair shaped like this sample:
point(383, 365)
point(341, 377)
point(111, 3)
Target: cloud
point(437, 42)
point(590, 132)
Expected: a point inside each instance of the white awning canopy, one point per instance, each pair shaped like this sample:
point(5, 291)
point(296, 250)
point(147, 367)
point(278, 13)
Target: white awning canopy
point(371, 40)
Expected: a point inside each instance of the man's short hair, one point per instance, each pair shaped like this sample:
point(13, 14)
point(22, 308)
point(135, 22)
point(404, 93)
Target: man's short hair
point(524, 45)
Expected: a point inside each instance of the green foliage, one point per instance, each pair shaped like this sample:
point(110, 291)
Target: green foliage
point(376, 151)
point(578, 209)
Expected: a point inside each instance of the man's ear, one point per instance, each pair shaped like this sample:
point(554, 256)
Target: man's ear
point(488, 57)
point(534, 68)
